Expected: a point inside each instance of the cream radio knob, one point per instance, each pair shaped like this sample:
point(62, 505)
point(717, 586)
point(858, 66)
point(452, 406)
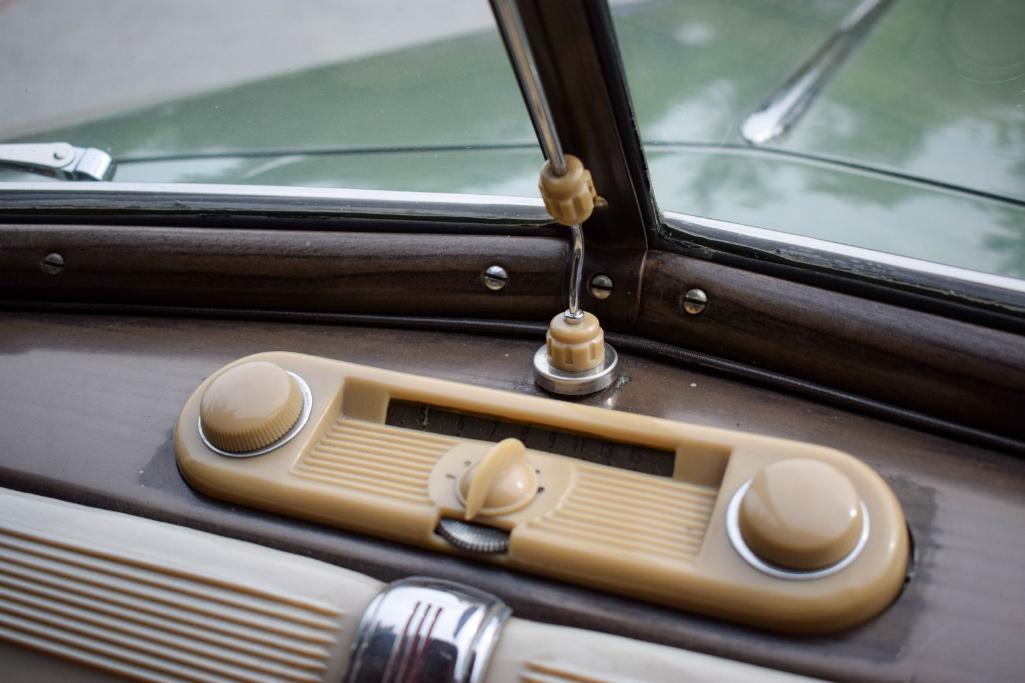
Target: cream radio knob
point(801, 514)
point(500, 483)
point(250, 407)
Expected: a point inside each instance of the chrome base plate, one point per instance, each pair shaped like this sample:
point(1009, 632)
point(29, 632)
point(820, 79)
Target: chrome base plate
point(574, 383)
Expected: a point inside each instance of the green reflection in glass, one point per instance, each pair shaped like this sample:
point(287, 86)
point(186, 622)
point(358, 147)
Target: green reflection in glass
point(935, 92)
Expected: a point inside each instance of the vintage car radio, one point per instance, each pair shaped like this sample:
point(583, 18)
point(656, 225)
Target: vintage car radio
point(778, 534)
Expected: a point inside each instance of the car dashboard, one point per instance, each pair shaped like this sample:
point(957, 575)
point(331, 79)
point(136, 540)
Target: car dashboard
point(96, 397)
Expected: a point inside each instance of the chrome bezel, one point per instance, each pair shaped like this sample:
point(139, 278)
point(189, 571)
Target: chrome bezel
point(304, 417)
point(463, 643)
point(575, 383)
point(737, 539)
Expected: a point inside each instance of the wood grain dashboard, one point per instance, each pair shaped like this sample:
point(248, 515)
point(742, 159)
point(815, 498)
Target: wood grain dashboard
point(88, 405)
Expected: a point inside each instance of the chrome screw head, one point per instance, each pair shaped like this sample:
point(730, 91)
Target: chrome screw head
point(601, 286)
point(52, 264)
point(495, 278)
point(695, 301)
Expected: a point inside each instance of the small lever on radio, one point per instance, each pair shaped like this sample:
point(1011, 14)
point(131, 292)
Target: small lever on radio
point(502, 482)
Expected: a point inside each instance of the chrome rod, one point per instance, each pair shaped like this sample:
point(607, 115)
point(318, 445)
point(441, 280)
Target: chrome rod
point(788, 102)
point(510, 23)
point(576, 273)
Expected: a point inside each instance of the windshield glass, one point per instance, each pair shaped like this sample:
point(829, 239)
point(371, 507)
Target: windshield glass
point(387, 95)
point(897, 127)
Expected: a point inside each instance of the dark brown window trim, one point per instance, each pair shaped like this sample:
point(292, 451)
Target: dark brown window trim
point(966, 300)
point(657, 350)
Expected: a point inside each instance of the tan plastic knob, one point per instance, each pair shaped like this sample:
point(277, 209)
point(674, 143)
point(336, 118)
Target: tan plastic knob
point(249, 407)
point(502, 482)
point(801, 514)
point(577, 346)
point(569, 198)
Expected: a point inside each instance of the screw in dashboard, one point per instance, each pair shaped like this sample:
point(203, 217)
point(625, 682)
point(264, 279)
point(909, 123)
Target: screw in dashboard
point(695, 301)
point(52, 264)
point(600, 286)
point(495, 278)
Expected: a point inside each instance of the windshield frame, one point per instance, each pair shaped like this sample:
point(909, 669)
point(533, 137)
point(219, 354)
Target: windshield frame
point(590, 100)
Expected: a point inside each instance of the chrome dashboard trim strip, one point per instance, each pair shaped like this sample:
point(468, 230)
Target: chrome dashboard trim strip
point(867, 263)
point(416, 205)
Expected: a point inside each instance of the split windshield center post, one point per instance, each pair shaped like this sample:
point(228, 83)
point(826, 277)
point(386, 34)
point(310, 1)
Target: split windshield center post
point(575, 359)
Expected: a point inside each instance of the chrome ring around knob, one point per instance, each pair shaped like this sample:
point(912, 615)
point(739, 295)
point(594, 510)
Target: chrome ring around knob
point(304, 417)
point(737, 539)
point(422, 629)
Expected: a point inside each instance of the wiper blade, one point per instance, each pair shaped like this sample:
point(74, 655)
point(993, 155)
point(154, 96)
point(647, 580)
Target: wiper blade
point(58, 159)
point(786, 104)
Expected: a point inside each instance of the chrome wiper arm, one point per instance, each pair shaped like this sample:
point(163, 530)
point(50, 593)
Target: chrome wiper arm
point(786, 104)
point(58, 159)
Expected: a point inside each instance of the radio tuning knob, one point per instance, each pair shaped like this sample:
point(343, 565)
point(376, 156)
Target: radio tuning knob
point(801, 514)
point(502, 482)
point(250, 407)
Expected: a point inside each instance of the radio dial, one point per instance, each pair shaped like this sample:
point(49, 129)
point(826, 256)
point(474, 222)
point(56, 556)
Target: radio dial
point(249, 407)
point(801, 514)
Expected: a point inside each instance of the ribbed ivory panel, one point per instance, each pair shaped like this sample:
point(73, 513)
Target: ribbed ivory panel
point(632, 513)
point(558, 672)
point(374, 458)
point(97, 595)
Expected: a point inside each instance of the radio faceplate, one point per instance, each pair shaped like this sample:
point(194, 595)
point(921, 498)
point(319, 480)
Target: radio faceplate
point(692, 529)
